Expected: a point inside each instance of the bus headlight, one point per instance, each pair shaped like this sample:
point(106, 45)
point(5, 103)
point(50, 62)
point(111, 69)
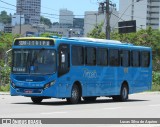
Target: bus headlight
point(49, 84)
point(13, 84)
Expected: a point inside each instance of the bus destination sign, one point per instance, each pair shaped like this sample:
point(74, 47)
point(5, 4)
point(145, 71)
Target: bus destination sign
point(34, 42)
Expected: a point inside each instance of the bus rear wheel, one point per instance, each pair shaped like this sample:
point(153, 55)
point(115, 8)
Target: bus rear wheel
point(36, 100)
point(123, 94)
point(89, 99)
point(75, 95)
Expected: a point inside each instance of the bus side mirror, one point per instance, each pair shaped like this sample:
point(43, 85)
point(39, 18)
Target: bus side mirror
point(6, 57)
point(63, 58)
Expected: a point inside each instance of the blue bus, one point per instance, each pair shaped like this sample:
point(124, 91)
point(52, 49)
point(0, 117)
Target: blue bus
point(78, 68)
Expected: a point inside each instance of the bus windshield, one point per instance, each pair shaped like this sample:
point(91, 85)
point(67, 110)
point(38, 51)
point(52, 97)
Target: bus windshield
point(33, 61)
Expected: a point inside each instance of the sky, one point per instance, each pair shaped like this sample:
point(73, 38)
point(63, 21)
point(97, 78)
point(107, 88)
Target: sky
point(49, 6)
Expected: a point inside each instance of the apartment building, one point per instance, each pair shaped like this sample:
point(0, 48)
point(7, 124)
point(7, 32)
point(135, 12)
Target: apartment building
point(31, 10)
point(145, 12)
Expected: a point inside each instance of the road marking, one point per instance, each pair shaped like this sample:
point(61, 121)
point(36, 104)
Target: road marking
point(154, 105)
point(49, 113)
point(113, 108)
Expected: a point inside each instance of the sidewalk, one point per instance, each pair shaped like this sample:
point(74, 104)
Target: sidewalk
point(4, 93)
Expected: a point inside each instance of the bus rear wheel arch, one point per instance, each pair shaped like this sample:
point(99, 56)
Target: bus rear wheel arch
point(123, 93)
point(76, 93)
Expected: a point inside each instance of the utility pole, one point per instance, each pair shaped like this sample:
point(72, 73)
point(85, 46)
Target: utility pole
point(104, 7)
point(20, 18)
point(107, 20)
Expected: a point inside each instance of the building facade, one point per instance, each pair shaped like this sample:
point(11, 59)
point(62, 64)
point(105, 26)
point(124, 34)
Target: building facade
point(66, 18)
point(31, 10)
point(1, 26)
point(68, 26)
point(145, 12)
point(93, 18)
point(16, 20)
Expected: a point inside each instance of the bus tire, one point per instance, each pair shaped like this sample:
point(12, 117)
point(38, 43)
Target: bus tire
point(75, 95)
point(36, 100)
point(89, 99)
point(123, 94)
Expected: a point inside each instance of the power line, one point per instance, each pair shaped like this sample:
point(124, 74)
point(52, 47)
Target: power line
point(59, 15)
point(122, 20)
point(134, 16)
point(7, 3)
point(8, 8)
point(45, 13)
point(49, 8)
point(67, 20)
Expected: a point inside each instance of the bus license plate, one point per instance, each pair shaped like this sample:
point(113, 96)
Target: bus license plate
point(28, 91)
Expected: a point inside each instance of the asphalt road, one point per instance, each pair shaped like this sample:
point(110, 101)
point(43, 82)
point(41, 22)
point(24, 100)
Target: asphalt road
point(142, 105)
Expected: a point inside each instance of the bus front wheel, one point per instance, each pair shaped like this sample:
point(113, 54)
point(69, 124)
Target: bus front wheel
point(75, 95)
point(36, 100)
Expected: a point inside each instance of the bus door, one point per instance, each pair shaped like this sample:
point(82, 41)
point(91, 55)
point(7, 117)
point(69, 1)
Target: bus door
point(63, 68)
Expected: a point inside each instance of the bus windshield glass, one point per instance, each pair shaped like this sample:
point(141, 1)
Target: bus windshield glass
point(30, 61)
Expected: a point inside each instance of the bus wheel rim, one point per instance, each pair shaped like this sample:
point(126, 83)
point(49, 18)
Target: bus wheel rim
point(124, 93)
point(75, 94)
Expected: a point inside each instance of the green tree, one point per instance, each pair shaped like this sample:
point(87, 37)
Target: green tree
point(6, 40)
point(46, 21)
point(4, 18)
point(50, 34)
point(97, 32)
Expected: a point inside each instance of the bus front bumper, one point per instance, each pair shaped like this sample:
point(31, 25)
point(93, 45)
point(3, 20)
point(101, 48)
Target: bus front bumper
point(30, 92)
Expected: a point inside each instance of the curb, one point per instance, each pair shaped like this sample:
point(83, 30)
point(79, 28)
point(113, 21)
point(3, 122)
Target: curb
point(4, 93)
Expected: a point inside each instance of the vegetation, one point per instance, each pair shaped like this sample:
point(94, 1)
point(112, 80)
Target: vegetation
point(6, 40)
point(156, 81)
point(50, 34)
point(4, 18)
point(46, 21)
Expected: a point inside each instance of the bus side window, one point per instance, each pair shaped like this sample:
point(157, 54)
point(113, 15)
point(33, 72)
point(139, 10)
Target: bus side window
point(135, 58)
point(64, 59)
point(114, 57)
point(77, 55)
point(145, 59)
point(90, 56)
point(125, 58)
point(102, 57)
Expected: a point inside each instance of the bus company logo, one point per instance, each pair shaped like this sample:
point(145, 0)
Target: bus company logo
point(6, 121)
point(90, 74)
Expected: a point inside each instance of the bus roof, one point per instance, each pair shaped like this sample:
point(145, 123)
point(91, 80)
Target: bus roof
point(34, 38)
point(84, 40)
point(96, 40)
